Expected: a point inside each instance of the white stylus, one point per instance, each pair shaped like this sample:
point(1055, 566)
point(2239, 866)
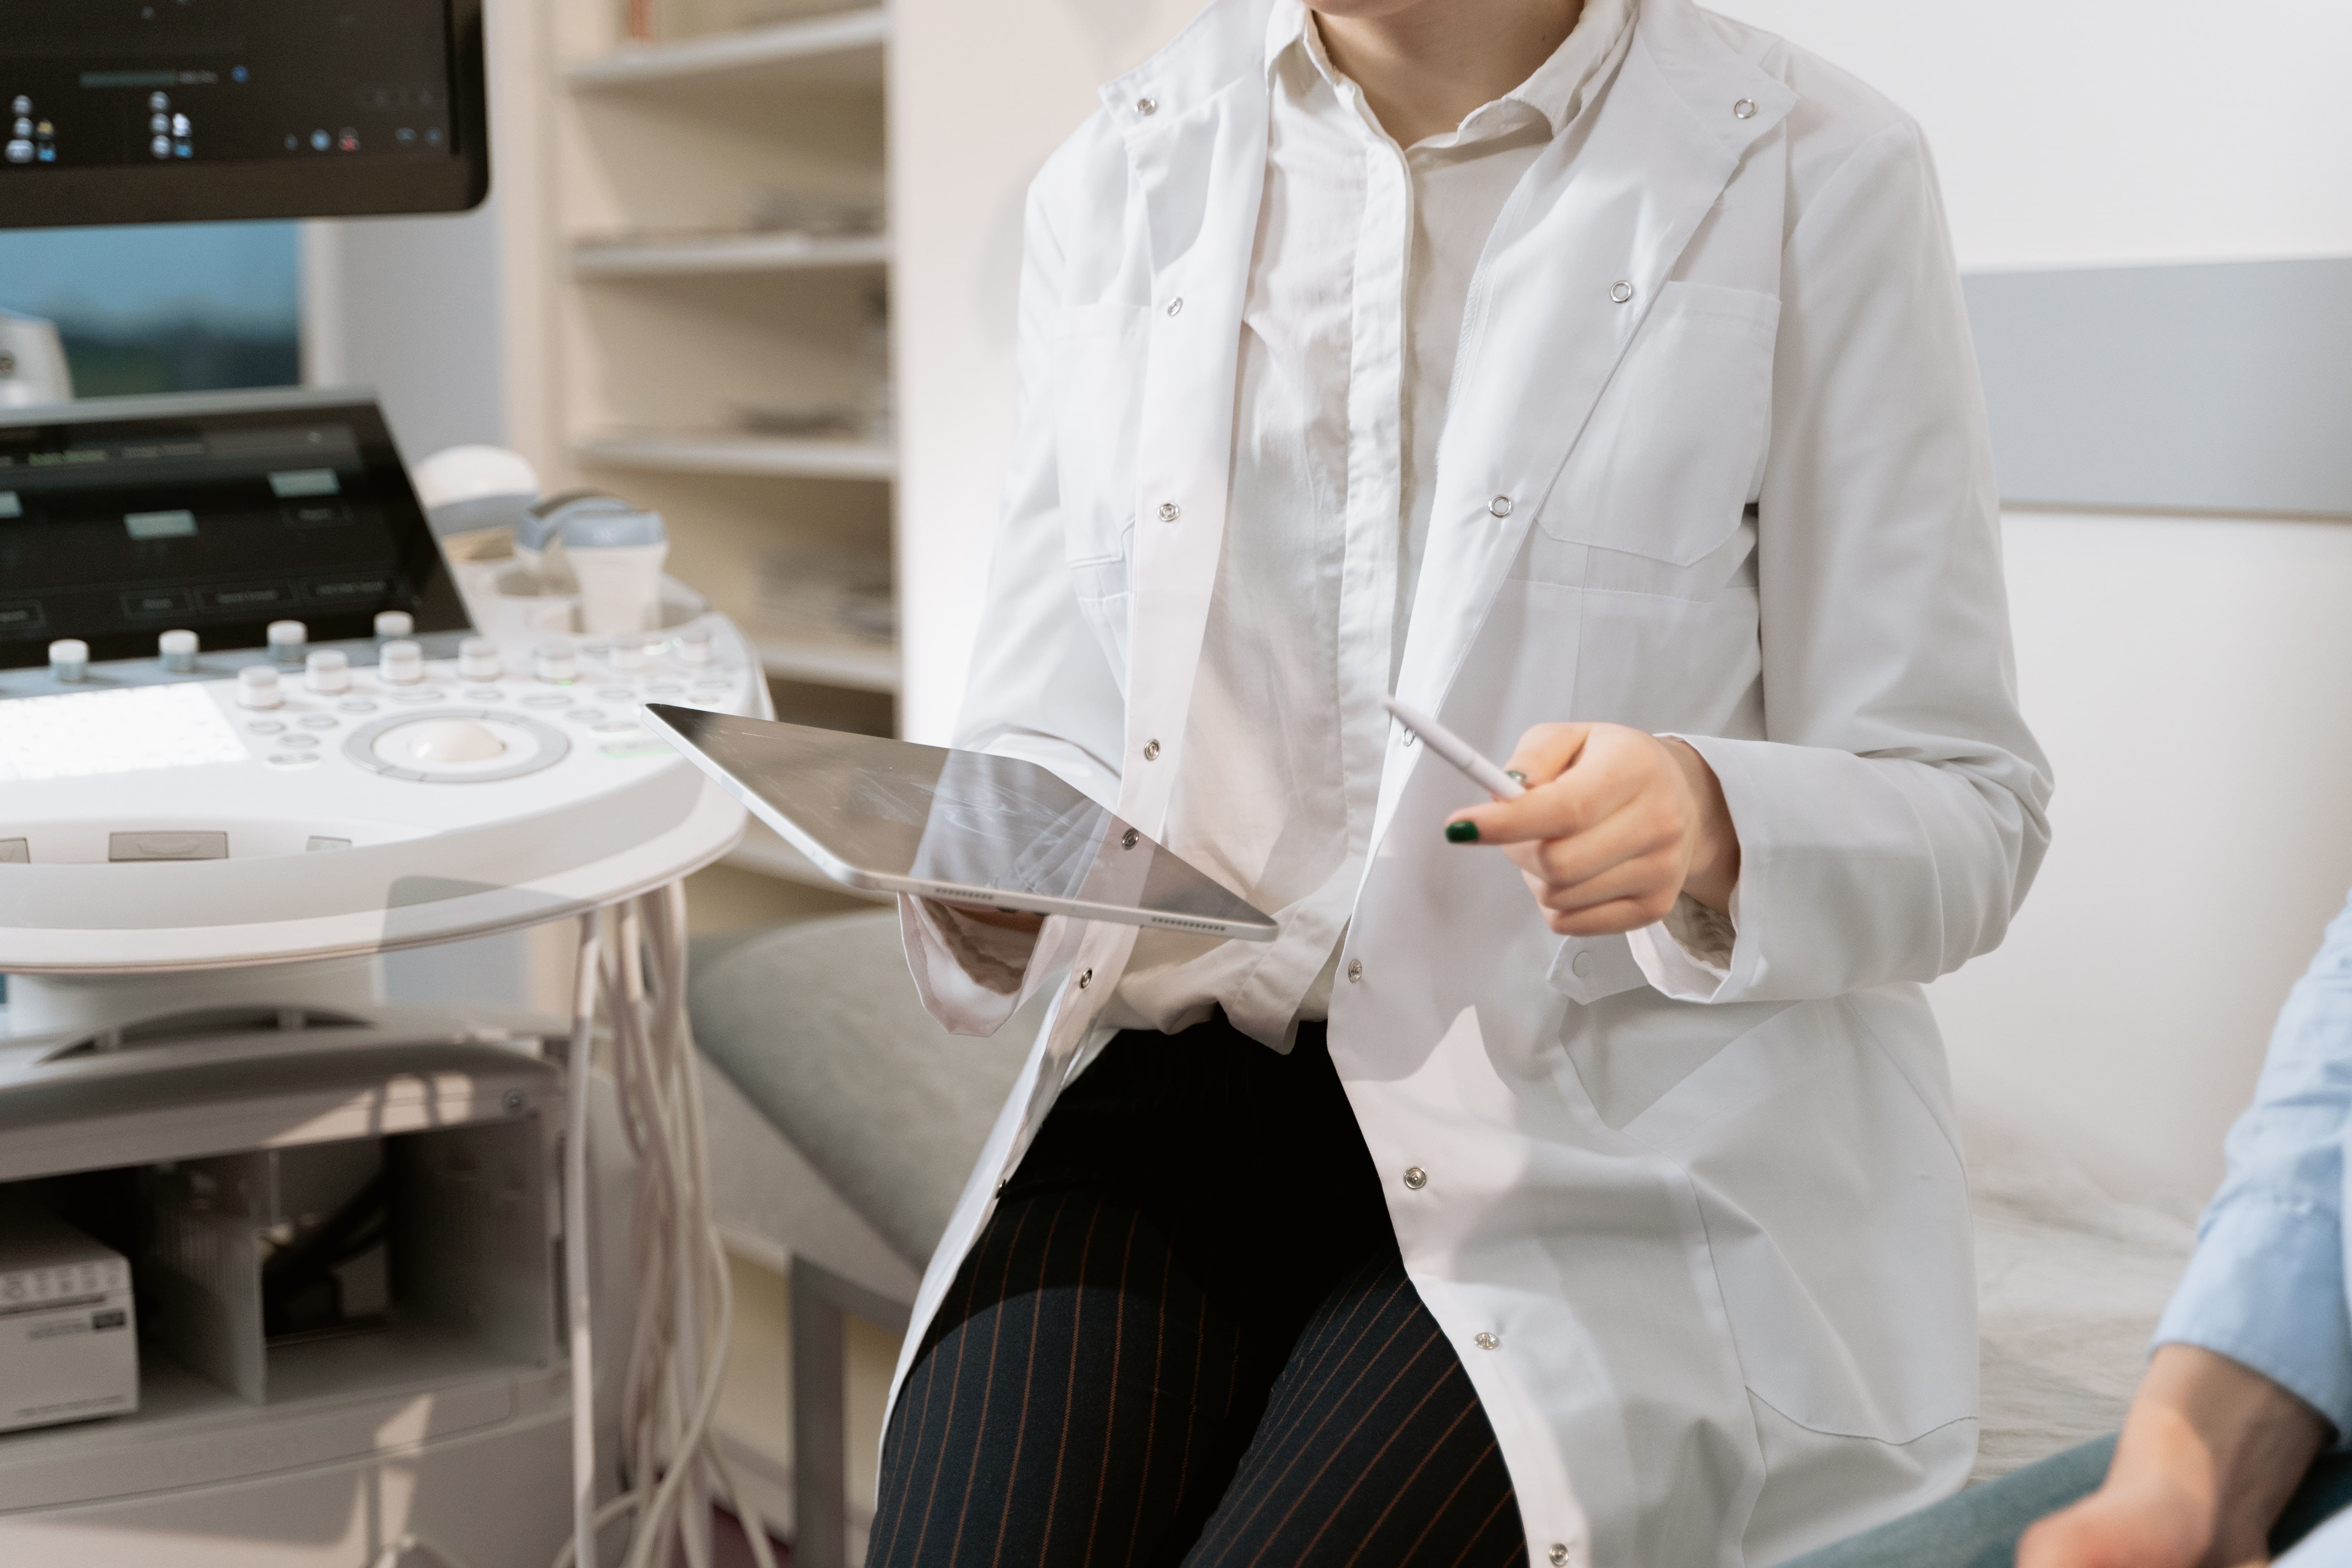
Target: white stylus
point(1457, 751)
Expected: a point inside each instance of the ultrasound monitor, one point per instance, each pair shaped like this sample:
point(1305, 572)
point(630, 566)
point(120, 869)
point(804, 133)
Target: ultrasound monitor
point(163, 111)
point(218, 514)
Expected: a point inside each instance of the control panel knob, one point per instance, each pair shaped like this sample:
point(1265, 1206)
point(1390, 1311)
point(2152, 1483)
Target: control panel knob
point(555, 661)
point(694, 645)
point(629, 654)
point(178, 652)
point(393, 624)
point(400, 663)
point(477, 660)
point(328, 670)
point(69, 659)
point(287, 640)
point(256, 687)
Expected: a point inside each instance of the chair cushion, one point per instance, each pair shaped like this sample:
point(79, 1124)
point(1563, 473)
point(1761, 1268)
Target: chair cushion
point(819, 1025)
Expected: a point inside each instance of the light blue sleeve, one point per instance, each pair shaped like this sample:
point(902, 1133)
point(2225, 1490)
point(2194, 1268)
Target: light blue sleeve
point(2266, 1287)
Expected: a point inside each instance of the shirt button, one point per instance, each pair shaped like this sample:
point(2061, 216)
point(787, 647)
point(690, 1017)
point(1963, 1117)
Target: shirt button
point(1500, 506)
point(1355, 970)
point(1582, 965)
point(1745, 109)
point(1558, 1555)
point(1486, 1342)
point(1620, 290)
point(1150, 750)
point(1415, 1178)
point(1176, 307)
point(1085, 980)
point(1169, 511)
point(1147, 106)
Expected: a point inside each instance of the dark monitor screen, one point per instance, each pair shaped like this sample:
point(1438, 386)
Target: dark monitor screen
point(153, 111)
point(127, 518)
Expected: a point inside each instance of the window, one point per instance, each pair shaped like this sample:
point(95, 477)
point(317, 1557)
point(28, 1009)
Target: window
point(166, 307)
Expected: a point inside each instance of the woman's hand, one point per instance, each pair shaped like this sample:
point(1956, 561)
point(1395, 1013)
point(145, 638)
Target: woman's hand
point(1616, 825)
point(2208, 1456)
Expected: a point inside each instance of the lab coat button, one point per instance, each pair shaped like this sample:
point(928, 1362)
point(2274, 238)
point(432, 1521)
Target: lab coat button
point(1169, 511)
point(1354, 971)
point(1150, 750)
point(1745, 109)
point(1415, 1178)
point(1500, 506)
point(1085, 980)
point(1486, 1342)
point(1620, 290)
point(1558, 1555)
point(1582, 965)
point(1176, 307)
point(1129, 839)
point(1147, 106)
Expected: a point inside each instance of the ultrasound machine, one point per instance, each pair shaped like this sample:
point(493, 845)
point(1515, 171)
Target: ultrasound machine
point(297, 1268)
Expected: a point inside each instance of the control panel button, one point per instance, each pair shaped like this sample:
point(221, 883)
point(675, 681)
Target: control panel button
point(433, 741)
point(287, 640)
point(318, 721)
point(555, 661)
point(400, 663)
point(177, 649)
point(477, 660)
point(355, 705)
point(256, 687)
point(69, 659)
point(327, 671)
point(393, 624)
point(266, 727)
point(629, 654)
point(694, 645)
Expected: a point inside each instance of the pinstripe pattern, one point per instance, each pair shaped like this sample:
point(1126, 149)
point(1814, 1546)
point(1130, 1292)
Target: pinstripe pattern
point(1185, 1337)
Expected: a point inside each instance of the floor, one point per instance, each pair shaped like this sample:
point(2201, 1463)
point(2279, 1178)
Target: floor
point(730, 1548)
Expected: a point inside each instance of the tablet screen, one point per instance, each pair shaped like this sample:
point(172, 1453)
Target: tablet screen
point(893, 815)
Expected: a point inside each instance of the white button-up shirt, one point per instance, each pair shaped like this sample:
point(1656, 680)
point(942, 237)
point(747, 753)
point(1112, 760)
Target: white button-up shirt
point(1365, 257)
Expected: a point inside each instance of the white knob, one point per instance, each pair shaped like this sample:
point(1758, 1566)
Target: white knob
point(400, 663)
point(69, 658)
point(555, 661)
point(694, 645)
point(287, 639)
point(477, 660)
point(178, 651)
point(329, 670)
point(256, 687)
point(393, 624)
point(629, 653)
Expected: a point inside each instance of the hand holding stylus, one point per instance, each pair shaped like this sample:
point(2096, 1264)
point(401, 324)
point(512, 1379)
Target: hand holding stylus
point(1613, 826)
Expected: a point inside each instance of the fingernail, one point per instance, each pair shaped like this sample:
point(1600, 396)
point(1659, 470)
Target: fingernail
point(1461, 833)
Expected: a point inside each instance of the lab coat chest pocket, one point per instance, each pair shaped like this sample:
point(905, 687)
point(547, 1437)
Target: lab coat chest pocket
point(1099, 353)
point(1674, 451)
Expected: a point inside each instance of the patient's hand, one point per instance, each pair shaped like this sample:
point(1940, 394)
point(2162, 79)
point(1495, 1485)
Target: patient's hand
point(2209, 1454)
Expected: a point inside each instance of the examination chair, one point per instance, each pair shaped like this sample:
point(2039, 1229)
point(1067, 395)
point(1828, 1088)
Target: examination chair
point(843, 1122)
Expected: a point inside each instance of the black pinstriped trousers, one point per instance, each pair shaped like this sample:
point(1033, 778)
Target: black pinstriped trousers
point(1185, 1337)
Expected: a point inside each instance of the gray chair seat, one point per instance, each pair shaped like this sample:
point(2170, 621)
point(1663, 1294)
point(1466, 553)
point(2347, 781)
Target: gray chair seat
point(819, 1025)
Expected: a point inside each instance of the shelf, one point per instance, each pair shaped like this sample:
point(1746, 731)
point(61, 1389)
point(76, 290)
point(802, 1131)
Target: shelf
point(683, 258)
point(762, 851)
point(828, 659)
point(761, 456)
point(843, 47)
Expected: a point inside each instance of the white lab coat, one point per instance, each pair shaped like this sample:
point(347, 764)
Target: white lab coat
point(1716, 464)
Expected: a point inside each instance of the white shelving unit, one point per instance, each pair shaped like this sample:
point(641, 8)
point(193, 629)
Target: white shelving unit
point(708, 281)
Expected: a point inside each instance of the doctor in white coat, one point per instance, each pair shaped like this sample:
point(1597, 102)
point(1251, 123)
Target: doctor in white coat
point(1630, 425)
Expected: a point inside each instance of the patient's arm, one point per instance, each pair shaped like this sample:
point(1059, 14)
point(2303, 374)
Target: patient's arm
point(2209, 1454)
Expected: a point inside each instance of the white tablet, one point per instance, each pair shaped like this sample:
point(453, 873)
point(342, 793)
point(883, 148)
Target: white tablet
point(896, 818)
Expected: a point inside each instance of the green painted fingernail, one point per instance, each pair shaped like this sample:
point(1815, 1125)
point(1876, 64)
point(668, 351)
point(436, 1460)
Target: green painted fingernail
point(1461, 833)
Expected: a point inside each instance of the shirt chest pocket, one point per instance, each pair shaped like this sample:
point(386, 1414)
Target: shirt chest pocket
point(1098, 392)
point(1676, 448)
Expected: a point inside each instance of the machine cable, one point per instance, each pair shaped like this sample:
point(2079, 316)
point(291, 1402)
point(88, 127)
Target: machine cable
point(671, 1472)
